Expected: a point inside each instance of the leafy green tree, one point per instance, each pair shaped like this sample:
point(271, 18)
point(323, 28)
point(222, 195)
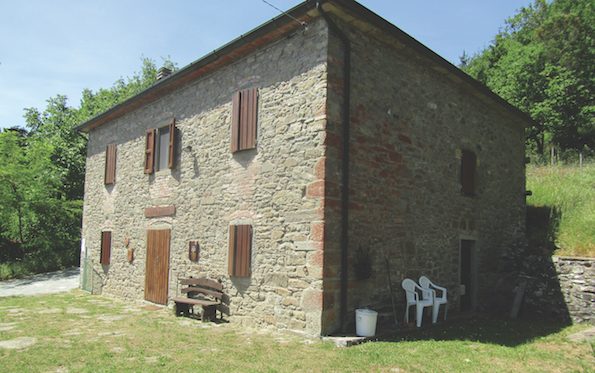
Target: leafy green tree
point(542, 62)
point(42, 173)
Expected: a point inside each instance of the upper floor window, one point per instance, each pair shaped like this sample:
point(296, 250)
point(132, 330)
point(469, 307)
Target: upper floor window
point(160, 148)
point(244, 119)
point(468, 171)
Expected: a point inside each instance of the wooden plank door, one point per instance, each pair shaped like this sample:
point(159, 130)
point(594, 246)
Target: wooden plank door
point(157, 265)
point(467, 275)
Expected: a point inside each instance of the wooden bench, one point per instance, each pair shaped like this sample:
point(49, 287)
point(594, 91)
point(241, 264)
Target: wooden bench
point(202, 292)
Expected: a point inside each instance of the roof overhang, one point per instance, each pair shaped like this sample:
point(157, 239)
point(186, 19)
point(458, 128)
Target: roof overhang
point(273, 30)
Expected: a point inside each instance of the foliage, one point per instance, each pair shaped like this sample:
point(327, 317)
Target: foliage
point(84, 333)
point(569, 191)
point(542, 62)
point(42, 172)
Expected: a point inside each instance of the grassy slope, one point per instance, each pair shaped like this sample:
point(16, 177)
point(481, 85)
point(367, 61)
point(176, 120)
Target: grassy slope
point(77, 332)
point(572, 190)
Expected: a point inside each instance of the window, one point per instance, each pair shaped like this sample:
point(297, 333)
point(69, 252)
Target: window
point(240, 250)
point(106, 248)
point(162, 156)
point(244, 119)
point(468, 166)
point(110, 165)
point(160, 148)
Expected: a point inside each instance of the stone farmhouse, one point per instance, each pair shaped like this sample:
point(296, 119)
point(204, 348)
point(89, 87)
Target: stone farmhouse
point(300, 164)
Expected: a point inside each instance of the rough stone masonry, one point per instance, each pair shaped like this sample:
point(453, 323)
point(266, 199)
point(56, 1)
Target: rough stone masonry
point(410, 117)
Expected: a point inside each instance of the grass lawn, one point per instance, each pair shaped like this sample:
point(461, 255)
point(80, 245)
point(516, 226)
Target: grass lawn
point(571, 190)
point(77, 332)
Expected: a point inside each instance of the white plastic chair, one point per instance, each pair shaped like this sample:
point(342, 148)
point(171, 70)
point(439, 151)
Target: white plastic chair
point(413, 298)
point(425, 283)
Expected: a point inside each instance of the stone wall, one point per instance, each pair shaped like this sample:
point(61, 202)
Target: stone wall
point(576, 278)
point(276, 187)
point(410, 121)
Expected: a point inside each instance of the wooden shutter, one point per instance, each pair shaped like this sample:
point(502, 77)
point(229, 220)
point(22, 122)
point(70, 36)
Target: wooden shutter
point(244, 119)
point(468, 164)
point(240, 250)
point(235, 122)
point(110, 164)
point(172, 144)
point(150, 151)
point(248, 128)
point(106, 248)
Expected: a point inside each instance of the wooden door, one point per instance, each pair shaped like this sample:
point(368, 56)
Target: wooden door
point(467, 275)
point(157, 265)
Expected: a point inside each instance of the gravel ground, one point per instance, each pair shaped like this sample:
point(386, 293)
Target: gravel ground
point(44, 283)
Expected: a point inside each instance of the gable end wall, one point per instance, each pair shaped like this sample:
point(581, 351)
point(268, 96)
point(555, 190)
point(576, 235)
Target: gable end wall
point(409, 123)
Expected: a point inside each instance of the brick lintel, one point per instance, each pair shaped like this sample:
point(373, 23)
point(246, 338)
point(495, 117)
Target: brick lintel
point(159, 211)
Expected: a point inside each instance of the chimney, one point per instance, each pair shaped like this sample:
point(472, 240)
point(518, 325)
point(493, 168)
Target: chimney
point(163, 72)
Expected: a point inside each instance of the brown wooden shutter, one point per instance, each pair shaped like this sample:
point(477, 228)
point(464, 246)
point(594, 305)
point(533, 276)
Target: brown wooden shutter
point(248, 128)
point(468, 165)
point(106, 248)
point(150, 151)
point(232, 250)
point(110, 164)
point(240, 250)
point(172, 144)
point(235, 122)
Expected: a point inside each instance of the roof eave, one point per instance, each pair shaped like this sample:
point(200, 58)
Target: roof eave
point(270, 31)
point(265, 33)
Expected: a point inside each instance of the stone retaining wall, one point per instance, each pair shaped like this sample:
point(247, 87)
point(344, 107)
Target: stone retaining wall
point(576, 277)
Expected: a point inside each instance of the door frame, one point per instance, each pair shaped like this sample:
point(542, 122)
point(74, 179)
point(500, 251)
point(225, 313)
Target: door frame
point(473, 268)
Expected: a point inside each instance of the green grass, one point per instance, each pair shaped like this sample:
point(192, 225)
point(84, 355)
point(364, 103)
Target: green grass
point(571, 190)
point(77, 332)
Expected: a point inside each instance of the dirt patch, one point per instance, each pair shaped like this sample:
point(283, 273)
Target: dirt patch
point(76, 311)
point(18, 343)
point(4, 327)
point(49, 311)
point(116, 333)
point(110, 318)
point(583, 336)
point(152, 308)
point(15, 311)
point(72, 333)
point(132, 310)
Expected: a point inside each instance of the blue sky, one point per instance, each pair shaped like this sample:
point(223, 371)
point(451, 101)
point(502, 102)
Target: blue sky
point(61, 47)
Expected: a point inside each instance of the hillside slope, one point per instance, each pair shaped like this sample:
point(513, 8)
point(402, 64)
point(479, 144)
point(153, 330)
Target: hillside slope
point(570, 192)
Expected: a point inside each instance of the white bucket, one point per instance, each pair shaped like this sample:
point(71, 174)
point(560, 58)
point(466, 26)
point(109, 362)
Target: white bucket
point(365, 322)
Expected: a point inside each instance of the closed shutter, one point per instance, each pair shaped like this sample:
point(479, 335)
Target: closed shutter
point(250, 102)
point(110, 164)
point(240, 250)
point(172, 145)
point(468, 165)
point(235, 123)
point(244, 119)
point(106, 248)
point(150, 151)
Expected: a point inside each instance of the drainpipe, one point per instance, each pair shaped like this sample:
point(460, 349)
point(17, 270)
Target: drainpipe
point(345, 136)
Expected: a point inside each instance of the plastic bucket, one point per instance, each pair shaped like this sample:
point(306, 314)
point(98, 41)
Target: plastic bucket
point(365, 322)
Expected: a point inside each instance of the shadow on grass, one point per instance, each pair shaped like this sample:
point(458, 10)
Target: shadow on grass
point(509, 333)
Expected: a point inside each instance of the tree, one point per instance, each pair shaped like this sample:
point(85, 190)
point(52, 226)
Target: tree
point(542, 62)
point(42, 171)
